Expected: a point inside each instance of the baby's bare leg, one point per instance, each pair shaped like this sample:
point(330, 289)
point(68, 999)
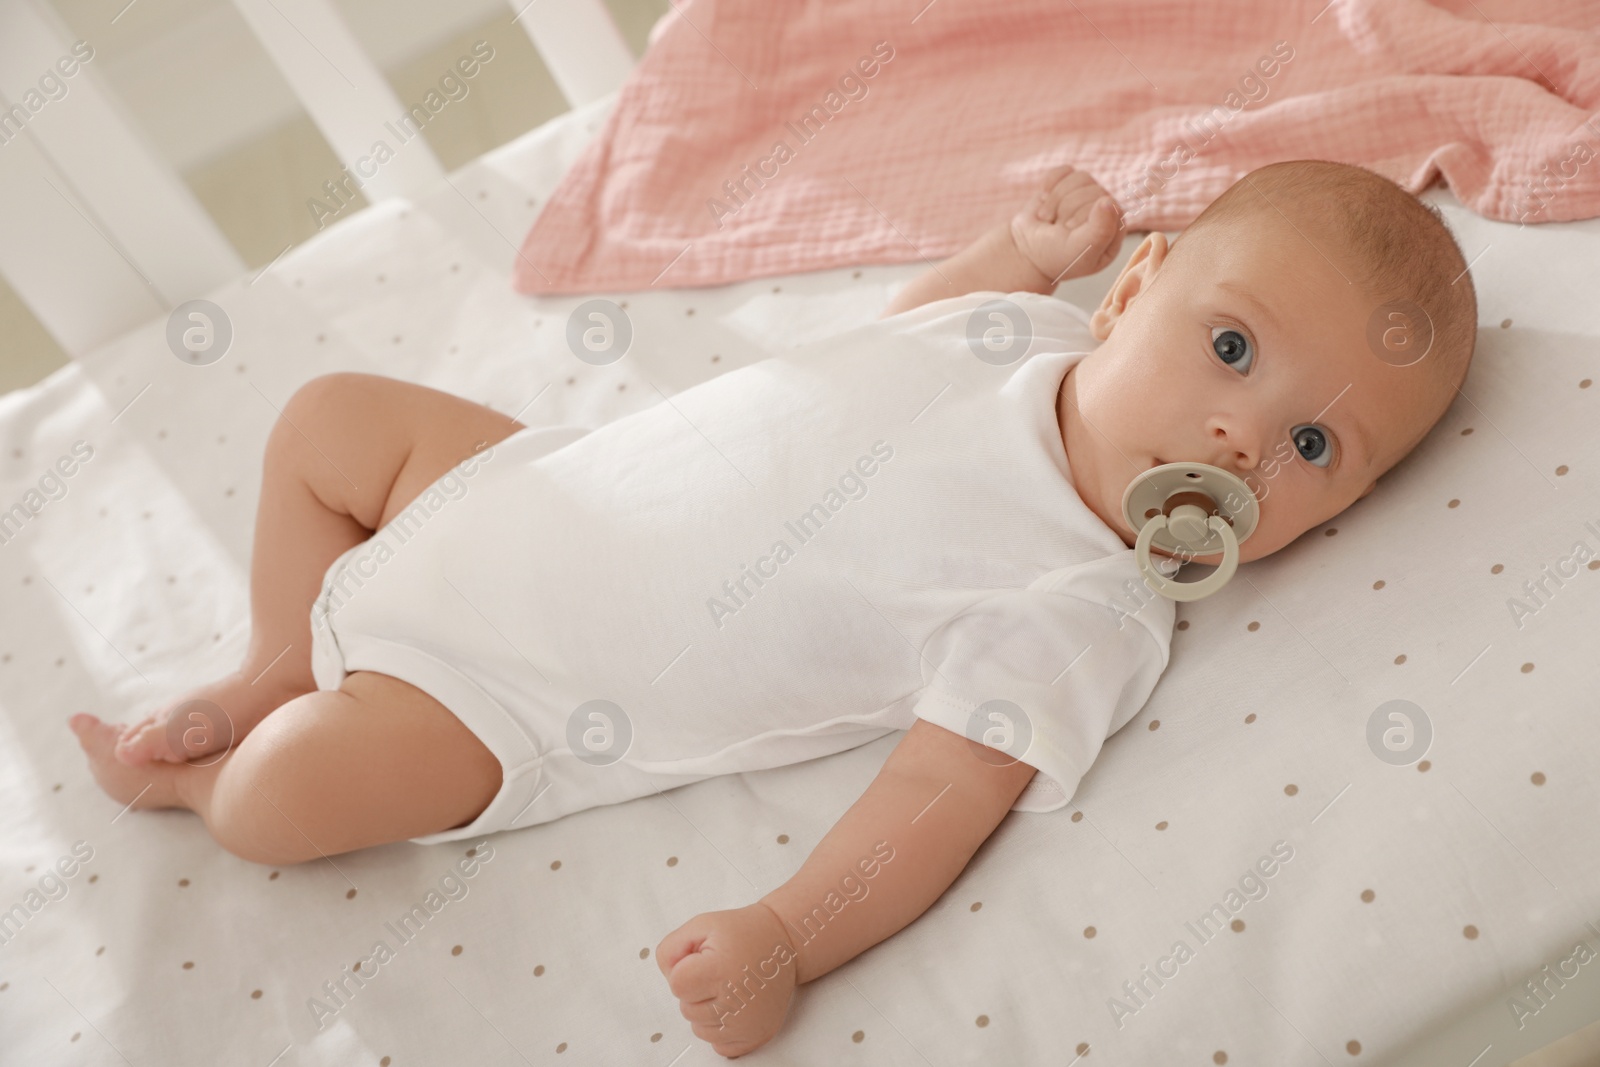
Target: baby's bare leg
point(376, 761)
point(348, 452)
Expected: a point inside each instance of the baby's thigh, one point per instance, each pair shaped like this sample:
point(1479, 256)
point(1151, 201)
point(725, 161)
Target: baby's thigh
point(432, 770)
point(443, 429)
point(373, 762)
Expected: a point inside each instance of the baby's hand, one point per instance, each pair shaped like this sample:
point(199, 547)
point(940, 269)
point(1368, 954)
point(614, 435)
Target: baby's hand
point(747, 948)
point(1071, 228)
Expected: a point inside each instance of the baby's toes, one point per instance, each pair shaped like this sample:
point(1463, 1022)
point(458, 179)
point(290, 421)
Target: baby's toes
point(96, 738)
point(146, 788)
point(142, 742)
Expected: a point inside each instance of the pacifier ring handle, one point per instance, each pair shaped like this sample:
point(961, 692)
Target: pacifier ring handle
point(1187, 591)
point(1190, 509)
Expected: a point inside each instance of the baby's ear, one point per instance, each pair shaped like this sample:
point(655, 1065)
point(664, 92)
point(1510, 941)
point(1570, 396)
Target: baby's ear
point(1134, 279)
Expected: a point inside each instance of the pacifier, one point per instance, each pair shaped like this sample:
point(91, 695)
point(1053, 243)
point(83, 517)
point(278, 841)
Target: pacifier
point(1189, 509)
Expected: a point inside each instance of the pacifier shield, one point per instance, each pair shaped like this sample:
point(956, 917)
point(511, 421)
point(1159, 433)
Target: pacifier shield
point(1212, 490)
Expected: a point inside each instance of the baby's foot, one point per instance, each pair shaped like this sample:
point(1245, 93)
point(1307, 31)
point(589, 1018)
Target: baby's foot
point(212, 718)
point(142, 787)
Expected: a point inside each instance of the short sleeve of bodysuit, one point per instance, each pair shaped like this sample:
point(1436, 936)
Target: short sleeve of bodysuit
point(1046, 673)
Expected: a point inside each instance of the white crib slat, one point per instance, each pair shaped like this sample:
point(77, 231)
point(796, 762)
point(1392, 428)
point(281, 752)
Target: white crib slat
point(97, 233)
point(580, 45)
point(71, 277)
point(345, 94)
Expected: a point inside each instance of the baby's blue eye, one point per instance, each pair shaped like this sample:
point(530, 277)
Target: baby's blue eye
point(1232, 348)
point(1312, 444)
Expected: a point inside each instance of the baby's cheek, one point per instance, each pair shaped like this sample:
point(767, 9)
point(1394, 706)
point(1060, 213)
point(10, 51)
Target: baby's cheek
point(1275, 530)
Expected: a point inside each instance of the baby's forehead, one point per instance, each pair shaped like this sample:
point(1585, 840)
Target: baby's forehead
point(1287, 227)
point(1292, 272)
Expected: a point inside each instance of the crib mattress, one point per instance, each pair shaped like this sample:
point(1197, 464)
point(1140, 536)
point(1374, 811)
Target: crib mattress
point(1403, 884)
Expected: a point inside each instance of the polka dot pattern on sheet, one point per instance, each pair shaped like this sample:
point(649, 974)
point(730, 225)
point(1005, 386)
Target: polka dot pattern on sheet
point(674, 853)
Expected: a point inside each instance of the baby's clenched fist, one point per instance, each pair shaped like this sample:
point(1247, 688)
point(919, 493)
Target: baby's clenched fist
point(733, 973)
point(1071, 228)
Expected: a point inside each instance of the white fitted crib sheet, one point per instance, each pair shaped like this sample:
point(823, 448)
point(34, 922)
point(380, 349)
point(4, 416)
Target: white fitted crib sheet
point(1408, 894)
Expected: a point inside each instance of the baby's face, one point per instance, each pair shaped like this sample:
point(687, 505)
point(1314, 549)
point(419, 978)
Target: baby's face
point(1247, 351)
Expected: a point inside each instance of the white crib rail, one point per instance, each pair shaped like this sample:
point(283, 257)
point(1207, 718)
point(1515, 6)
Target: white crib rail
point(342, 90)
point(99, 234)
point(580, 44)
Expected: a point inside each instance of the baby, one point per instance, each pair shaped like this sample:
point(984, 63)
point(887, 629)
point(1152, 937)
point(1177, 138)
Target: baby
point(462, 625)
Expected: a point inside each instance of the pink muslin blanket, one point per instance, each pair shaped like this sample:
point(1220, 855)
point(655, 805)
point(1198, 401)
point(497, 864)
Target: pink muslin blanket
point(773, 136)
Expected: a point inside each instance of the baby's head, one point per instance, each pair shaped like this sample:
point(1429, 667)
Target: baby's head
point(1305, 333)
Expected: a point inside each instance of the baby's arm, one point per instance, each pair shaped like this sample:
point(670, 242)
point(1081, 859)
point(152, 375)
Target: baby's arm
point(1071, 228)
point(915, 828)
point(930, 807)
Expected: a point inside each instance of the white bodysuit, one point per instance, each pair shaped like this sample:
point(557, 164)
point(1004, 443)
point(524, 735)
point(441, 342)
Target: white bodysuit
point(786, 561)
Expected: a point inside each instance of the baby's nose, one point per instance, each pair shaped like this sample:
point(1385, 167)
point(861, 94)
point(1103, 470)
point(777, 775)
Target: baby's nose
point(1237, 446)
